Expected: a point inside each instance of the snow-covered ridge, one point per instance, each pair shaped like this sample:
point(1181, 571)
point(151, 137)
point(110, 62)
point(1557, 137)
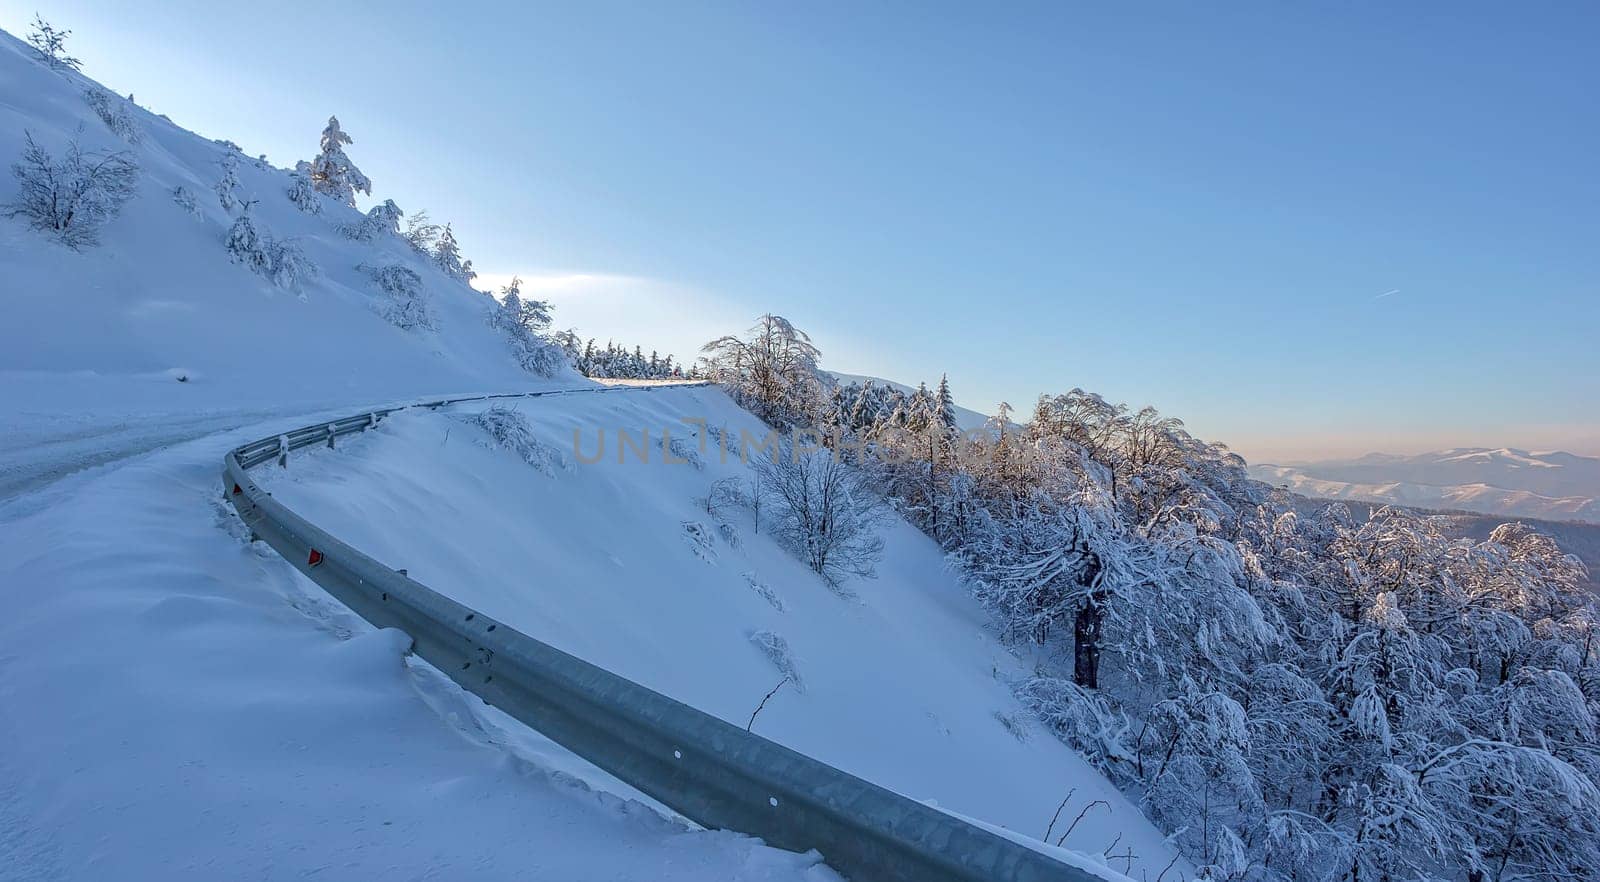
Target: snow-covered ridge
point(156, 323)
point(1553, 485)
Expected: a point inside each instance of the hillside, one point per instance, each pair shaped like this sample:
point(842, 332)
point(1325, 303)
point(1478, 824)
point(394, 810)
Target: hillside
point(897, 679)
point(96, 340)
point(178, 703)
point(1551, 485)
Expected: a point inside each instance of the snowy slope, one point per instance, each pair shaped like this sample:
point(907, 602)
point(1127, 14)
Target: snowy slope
point(92, 341)
point(1554, 485)
point(902, 683)
point(177, 703)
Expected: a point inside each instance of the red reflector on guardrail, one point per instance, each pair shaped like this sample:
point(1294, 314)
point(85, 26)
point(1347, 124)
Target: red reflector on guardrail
point(314, 559)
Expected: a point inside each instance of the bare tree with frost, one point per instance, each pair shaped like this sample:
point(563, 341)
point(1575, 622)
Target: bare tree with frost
point(772, 369)
point(71, 199)
point(825, 513)
point(51, 44)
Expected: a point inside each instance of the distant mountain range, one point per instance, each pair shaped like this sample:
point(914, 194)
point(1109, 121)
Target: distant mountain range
point(1552, 485)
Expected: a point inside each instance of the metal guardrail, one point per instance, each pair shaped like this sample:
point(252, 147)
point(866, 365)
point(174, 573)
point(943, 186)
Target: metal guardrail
point(711, 771)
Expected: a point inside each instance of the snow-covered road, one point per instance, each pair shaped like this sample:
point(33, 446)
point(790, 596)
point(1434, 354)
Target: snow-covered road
point(176, 703)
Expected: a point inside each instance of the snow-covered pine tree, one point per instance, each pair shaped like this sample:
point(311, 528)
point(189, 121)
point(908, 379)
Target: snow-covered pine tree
point(227, 186)
point(301, 192)
point(288, 264)
point(381, 219)
point(447, 254)
point(246, 245)
point(332, 173)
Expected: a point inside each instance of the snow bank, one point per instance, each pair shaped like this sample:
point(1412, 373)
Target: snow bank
point(179, 704)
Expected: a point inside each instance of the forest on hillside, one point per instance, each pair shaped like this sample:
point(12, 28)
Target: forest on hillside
point(1289, 694)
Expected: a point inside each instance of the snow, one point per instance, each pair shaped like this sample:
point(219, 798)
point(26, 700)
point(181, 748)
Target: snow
point(1505, 481)
point(93, 341)
point(178, 703)
point(896, 679)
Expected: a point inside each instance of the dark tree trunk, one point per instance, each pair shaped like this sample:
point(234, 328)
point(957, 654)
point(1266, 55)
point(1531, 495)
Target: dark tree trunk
point(1087, 629)
point(1086, 645)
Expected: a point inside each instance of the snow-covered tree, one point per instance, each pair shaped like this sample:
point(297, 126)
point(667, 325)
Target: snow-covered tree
point(447, 254)
point(332, 173)
point(406, 305)
point(247, 245)
point(421, 233)
point(227, 187)
point(51, 44)
point(301, 191)
point(521, 324)
point(772, 370)
point(826, 512)
point(531, 314)
point(73, 198)
point(382, 219)
point(113, 111)
point(282, 262)
point(185, 199)
point(289, 266)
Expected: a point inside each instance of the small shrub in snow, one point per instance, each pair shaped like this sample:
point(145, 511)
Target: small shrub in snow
point(227, 186)
point(681, 449)
point(382, 219)
point(51, 44)
point(508, 430)
point(406, 306)
point(71, 199)
point(289, 266)
point(730, 535)
point(1014, 723)
point(700, 541)
point(766, 592)
point(304, 196)
point(246, 245)
point(184, 198)
point(776, 649)
point(1080, 717)
point(113, 111)
point(726, 499)
point(282, 262)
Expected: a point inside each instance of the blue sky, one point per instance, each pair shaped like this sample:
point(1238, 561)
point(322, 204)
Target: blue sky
point(1198, 206)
